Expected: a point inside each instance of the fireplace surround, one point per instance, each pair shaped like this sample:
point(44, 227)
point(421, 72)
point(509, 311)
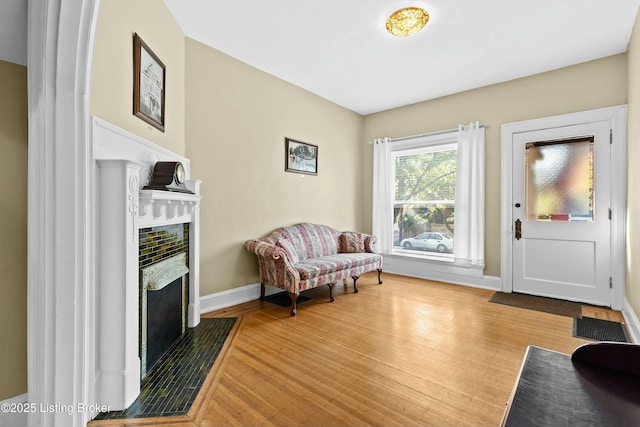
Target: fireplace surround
point(123, 166)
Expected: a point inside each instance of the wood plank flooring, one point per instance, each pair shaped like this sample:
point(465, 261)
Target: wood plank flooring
point(602, 313)
point(409, 352)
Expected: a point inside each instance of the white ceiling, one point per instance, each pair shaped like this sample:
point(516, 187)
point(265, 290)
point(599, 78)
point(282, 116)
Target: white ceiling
point(340, 50)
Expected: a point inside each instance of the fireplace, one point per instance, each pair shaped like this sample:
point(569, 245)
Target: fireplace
point(163, 261)
point(125, 215)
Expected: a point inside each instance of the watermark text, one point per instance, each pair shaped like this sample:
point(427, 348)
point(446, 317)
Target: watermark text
point(27, 408)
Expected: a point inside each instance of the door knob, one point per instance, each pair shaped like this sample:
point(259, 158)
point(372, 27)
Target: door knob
point(518, 233)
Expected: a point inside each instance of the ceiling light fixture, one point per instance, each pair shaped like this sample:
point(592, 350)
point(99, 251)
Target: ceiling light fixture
point(407, 21)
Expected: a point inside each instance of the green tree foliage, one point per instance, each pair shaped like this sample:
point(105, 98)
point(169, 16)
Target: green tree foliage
point(424, 177)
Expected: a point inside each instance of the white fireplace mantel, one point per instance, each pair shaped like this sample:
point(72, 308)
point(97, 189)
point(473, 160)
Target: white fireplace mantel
point(123, 164)
point(166, 206)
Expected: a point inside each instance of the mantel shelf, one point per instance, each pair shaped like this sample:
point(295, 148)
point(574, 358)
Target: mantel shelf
point(169, 204)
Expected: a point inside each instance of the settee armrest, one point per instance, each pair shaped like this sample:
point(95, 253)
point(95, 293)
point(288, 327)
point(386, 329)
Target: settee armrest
point(264, 249)
point(276, 269)
point(369, 240)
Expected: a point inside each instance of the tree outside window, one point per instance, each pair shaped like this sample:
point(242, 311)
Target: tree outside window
point(424, 191)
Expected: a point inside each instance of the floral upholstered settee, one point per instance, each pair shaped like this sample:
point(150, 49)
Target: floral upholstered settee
point(304, 256)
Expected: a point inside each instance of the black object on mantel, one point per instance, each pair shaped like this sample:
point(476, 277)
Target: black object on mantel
point(168, 176)
point(597, 386)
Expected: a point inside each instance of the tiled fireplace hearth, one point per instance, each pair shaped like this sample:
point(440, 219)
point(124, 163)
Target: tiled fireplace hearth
point(127, 216)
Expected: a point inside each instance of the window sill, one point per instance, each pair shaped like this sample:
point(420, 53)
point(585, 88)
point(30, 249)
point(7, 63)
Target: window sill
point(447, 259)
point(436, 266)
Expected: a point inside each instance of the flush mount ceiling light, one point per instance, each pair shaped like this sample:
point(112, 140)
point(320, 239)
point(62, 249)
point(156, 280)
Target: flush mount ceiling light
point(408, 21)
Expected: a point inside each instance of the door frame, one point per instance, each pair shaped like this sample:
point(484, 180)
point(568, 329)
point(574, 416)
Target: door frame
point(617, 116)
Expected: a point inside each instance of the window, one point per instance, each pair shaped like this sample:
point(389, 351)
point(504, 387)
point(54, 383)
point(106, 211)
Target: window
point(428, 190)
point(559, 180)
point(424, 199)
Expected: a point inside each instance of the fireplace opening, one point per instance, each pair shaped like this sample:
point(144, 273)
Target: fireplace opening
point(163, 290)
point(164, 320)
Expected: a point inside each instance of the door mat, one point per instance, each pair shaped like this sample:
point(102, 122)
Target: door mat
point(175, 381)
point(600, 330)
point(284, 300)
point(532, 302)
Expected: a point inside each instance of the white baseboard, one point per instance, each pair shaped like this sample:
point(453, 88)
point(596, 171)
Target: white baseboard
point(631, 319)
point(10, 414)
point(440, 272)
point(231, 297)
point(490, 283)
point(228, 298)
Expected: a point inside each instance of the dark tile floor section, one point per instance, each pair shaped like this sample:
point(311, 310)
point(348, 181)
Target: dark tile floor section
point(174, 383)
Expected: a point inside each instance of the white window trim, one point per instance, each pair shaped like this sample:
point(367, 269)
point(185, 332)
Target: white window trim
point(422, 142)
point(430, 143)
point(422, 266)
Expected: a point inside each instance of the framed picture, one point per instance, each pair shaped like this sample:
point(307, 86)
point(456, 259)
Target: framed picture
point(300, 157)
point(148, 84)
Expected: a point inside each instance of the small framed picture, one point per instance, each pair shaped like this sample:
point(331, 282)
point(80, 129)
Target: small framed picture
point(149, 77)
point(300, 157)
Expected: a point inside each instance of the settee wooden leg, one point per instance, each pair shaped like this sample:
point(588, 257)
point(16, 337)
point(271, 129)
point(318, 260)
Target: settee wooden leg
point(262, 291)
point(331, 299)
point(355, 288)
point(379, 280)
point(294, 298)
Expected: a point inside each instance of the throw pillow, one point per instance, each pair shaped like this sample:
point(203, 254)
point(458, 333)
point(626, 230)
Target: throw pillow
point(351, 241)
point(289, 249)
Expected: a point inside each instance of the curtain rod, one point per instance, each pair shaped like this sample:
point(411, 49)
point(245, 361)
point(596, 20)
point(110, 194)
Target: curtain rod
point(482, 125)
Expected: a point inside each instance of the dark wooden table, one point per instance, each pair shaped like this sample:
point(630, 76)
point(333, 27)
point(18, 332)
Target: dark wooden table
point(552, 390)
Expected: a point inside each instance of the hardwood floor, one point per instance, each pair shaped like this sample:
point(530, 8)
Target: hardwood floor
point(602, 313)
point(409, 352)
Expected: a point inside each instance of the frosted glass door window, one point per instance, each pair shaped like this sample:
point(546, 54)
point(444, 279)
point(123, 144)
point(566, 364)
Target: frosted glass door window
point(559, 180)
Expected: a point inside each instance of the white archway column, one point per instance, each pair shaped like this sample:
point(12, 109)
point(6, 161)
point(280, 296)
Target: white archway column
point(60, 280)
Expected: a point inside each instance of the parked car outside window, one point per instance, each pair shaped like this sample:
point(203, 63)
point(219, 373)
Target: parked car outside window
point(440, 242)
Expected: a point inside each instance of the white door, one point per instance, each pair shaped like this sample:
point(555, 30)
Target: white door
point(561, 213)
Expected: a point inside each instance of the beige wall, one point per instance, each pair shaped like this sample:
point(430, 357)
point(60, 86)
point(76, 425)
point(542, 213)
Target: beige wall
point(231, 119)
point(13, 229)
point(591, 85)
point(237, 120)
point(633, 189)
point(112, 74)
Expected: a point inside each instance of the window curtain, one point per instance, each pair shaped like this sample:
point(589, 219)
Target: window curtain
point(382, 217)
point(469, 211)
